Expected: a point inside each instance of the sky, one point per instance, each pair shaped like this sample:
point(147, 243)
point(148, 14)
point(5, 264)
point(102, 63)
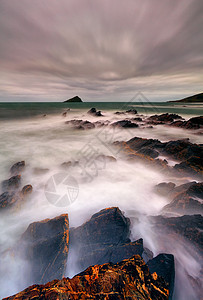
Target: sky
point(100, 50)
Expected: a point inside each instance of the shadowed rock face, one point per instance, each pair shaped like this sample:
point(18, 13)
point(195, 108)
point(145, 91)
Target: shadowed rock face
point(188, 227)
point(193, 123)
point(124, 124)
point(45, 246)
point(163, 118)
point(163, 265)
point(129, 279)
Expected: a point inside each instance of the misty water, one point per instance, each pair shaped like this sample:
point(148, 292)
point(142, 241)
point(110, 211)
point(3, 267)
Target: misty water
point(47, 142)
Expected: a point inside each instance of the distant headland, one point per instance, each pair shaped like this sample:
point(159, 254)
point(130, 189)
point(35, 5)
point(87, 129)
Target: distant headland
point(191, 99)
point(74, 99)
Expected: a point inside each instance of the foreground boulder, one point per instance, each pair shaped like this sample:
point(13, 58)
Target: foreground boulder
point(129, 279)
point(45, 246)
point(104, 238)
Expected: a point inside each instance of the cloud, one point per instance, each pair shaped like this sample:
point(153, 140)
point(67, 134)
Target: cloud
point(54, 49)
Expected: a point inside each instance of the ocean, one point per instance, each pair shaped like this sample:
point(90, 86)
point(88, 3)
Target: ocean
point(37, 133)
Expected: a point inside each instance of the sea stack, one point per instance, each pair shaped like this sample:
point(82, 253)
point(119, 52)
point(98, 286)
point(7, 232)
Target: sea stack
point(74, 99)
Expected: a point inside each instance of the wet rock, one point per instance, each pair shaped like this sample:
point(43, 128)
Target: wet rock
point(95, 112)
point(124, 124)
point(187, 200)
point(131, 111)
point(45, 245)
point(163, 118)
point(80, 124)
point(192, 165)
point(11, 184)
point(163, 265)
point(193, 123)
point(17, 168)
point(129, 279)
point(9, 199)
point(164, 188)
point(189, 227)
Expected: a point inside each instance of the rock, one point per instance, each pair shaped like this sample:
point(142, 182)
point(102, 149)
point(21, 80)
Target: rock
point(189, 227)
point(40, 171)
point(124, 124)
point(138, 119)
point(80, 124)
point(131, 111)
point(95, 112)
point(129, 279)
point(164, 188)
point(192, 165)
point(119, 113)
point(163, 265)
point(148, 152)
point(12, 183)
point(193, 123)
point(17, 168)
point(45, 245)
point(9, 199)
point(163, 118)
point(186, 199)
point(74, 99)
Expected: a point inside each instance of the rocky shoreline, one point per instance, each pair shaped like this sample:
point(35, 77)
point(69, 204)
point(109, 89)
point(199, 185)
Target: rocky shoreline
point(110, 265)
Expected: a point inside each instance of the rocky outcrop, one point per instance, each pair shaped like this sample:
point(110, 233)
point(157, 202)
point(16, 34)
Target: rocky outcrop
point(129, 279)
point(104, 238)
point(186, 199)
point(74, 99)
point(17, 168)
point(95, 112)
point(11, 184)
point(164, 266)
point(45, 246)
point(162, 119)
point(80, 124)
point(189, 227)
point(193, 123)
point(124, 124)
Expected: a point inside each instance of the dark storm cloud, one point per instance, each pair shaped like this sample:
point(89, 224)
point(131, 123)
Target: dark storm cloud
point(53, 48)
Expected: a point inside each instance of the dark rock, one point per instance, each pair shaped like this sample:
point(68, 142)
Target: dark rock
point(74, 99)
point(45, 245)
point(189, 227)
point(17, 168)
point(129, 279)
point(7, 199)
point(119, 113)
point(95, 112)
point(187, 199)
point(137, 119)
point(163, 118)
point(80, 124)
point(147, 151)
point(164, 188)
point(193, 165)
point(104, 238)
point(131, 111)
point(124, 124)
point(12, 183)
point(163, 265)
point(193, 123)
point(26, 190)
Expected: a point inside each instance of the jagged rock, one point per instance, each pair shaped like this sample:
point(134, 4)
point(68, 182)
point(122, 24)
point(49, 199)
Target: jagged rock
point(124, 124)
point(163, 265)
point(189, 227)
point(95, 112)
point(17, 168)
point(11, 184)
point(129, 279)
point(192, 165)
point(193, 123)
point(45, 245)
point(74, 99)
point(8, 199)
point(104, 238)
point(131, 111)
point(164, 188)
point(80, 124)
point(186, 199)
point(163, 118)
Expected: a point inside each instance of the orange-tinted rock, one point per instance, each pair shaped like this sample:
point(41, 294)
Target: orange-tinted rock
point(45, 245)
point(129, 279)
